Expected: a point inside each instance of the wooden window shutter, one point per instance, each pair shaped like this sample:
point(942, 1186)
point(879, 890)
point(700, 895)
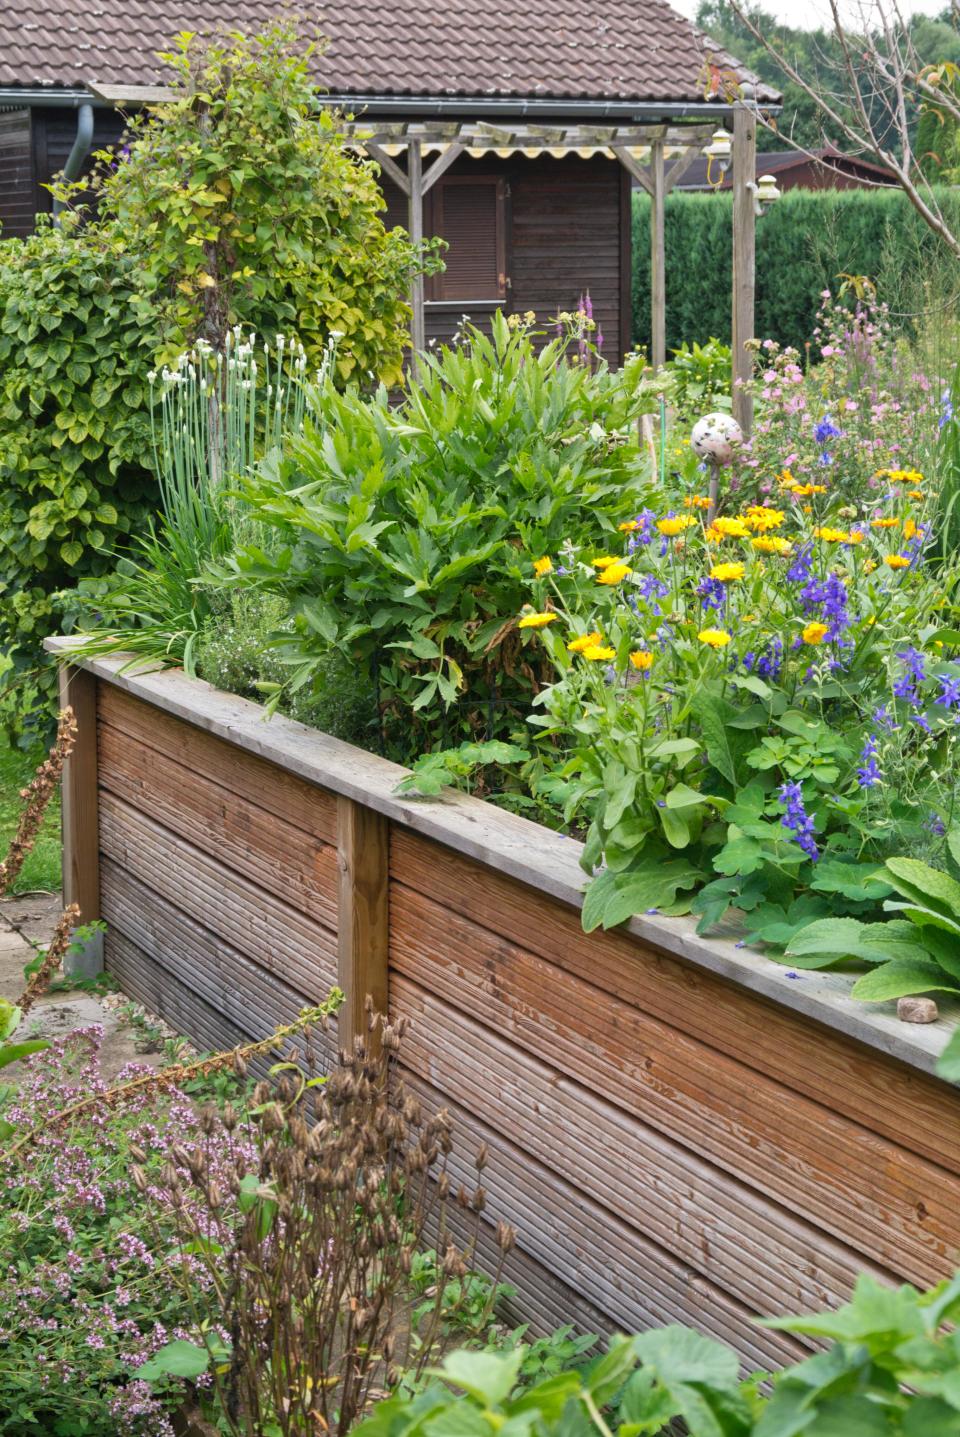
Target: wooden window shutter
point(469, 213)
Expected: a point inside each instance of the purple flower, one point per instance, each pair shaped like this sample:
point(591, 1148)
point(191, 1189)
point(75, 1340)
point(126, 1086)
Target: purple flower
point(920, 719)
point(883, 719)
point(935, 825)
point(642, 535)
point(799, 570)
point(946, 413)
point(868, 774)
point(949, 694)
point(824, 430)
point(913, 674)
point(796, 819)
point(712, 594)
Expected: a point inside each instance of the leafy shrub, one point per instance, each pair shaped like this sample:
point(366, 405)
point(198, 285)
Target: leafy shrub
point(406, 533)
point(702, 377)
point(891, 1368)
point(74, 433)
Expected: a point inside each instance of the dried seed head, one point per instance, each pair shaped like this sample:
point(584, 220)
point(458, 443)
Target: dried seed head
point(137, 1153)
point(209, 1120)
point(139, 1178)
point(239, 1065)
point(479, 1200)
point(483, 1154)
point(229, 1117)
point(506, 1237)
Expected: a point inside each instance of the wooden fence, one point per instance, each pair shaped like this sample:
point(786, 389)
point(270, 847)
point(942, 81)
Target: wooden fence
point(682, 1130)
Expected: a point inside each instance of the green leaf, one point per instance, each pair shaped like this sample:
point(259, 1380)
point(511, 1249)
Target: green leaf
point(13, 1052)
point(912, 878)
point(858, 881)
point(948, 1063)
point(900, 978)
point(176, 1359)
point(488, 1376)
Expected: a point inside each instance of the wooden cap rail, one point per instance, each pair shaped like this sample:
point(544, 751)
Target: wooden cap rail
point(545, 861)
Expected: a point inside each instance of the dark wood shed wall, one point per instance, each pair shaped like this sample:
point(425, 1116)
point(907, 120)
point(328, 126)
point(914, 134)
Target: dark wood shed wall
point(34, 146)
point(567, 232)
point(16, 174)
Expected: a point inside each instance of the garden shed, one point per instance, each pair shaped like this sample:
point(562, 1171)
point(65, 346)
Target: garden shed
point(514, 137)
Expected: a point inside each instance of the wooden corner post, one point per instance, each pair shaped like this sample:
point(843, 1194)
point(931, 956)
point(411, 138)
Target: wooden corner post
point(744, 254)
point(79, 803)
point(363, 852)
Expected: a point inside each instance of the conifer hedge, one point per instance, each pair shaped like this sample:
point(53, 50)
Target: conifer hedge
point(804, 242)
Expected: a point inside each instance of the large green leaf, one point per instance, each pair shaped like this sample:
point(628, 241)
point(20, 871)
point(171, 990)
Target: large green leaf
point(13, 1052)
point(176, 1359)
point(489, 1376)
point(948, 1064)
point(928, 886)
point(902, 978)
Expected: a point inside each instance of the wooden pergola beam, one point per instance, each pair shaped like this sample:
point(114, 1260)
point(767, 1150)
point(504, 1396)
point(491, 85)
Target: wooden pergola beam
point(744, 259)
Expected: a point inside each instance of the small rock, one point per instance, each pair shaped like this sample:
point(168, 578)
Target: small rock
point(917, 1010)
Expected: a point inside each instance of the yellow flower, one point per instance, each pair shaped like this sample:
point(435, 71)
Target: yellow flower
point(896, 561)
point(585, 641)
point(761, 519)
point(869, 566)
point(696, 501)
point(641, 659)
point(675, 524)
point(542, 567)
point(716, 638)
point(813, 633)
point(910, 529)
point(629, 526)
point(536, 621)
point(786, 480)
point(613, 573)
point(806, 489)
point(598, 652)
point(731, 528)
point(890, 522)
point(900, 476)
point(832, 536)
point(529, 316)
point(772, 544)
point(855, 536)
point(727, 573)
point(916, 495)
point(604, 561)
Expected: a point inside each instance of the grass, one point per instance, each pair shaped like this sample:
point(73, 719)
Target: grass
point(42, 867)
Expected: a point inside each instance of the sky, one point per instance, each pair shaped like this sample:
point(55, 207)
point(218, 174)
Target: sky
point(810, 14)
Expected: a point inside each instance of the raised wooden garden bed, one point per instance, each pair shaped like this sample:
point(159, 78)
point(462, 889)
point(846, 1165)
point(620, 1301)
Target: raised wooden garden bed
point(680, 1129)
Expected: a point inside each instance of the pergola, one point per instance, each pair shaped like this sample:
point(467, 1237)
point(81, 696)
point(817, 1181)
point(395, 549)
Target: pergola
point(656, 155)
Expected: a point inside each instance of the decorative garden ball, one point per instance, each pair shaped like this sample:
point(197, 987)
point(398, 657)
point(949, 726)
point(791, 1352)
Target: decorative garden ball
point(714, 438)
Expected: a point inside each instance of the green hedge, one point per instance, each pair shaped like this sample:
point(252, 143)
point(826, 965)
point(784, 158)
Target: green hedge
point(803, 243)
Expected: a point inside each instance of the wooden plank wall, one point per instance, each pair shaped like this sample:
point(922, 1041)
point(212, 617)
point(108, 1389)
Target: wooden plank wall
point(218, 877)
point(671, 1147)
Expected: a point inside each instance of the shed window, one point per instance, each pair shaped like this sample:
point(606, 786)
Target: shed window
point(469, 213)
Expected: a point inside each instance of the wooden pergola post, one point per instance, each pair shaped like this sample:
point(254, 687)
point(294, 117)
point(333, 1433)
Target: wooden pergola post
point(418, 330)
point(744, 254)
point(658, 275)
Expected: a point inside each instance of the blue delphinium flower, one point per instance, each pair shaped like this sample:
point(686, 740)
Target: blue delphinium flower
point(884, 719)
point(868, 774)
point(796, 819)
point(835, 607)
point(650, 588)
point(913, 673)
point(920, 719)
point(770, 661)
point(799, 570)
point(825, 429)
point(712, 593)
point(935, 825)
point(949, 695)
point(642, 535)
point(946, 411)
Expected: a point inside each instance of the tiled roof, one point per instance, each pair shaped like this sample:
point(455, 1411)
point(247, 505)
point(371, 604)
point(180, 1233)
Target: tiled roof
point(634, 50)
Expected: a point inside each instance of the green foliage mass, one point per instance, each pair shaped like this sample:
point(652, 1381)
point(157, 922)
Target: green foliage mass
point(73, 429)
point(804, 242)
point(891, 1366)
point(405, 537)
point(234, 203)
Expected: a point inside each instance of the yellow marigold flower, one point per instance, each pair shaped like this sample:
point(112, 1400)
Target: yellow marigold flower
point(855, 536)
point(613, 573)
point(598, 652)
point(786, 479)
point(727, 573)
point(900, 476)
point(869, 566)
point(629, 526)
point(536, 621)
point(831, 536)
point(772, 544)
point(813, 633)
point(910, 529)
point(896, 561)
point(731, 528)
point(641, 659)
point(542, 567)
point(604, 561)
point(890, 522)
point(761, 519)
point(585, 641)
point(916, 495)
point(807, 489)
point(716, 638)
point(696, 501)
point(674, 525)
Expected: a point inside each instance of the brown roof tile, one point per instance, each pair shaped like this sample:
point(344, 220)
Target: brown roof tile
point(634, 50)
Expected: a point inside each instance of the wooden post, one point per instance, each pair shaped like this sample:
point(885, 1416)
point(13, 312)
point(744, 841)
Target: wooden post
point(79, 800)
point(744, 254)
point(363, 851)
point(658, 279)
point(418, 332)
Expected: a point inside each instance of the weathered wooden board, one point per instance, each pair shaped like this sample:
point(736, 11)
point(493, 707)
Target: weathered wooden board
point(891, 1207)
point(285, 860)
point(256, 1000)
point(276, 936)
point(887, 1097)
point(268, 785)
point(634, 1282)
point(765, 1253)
